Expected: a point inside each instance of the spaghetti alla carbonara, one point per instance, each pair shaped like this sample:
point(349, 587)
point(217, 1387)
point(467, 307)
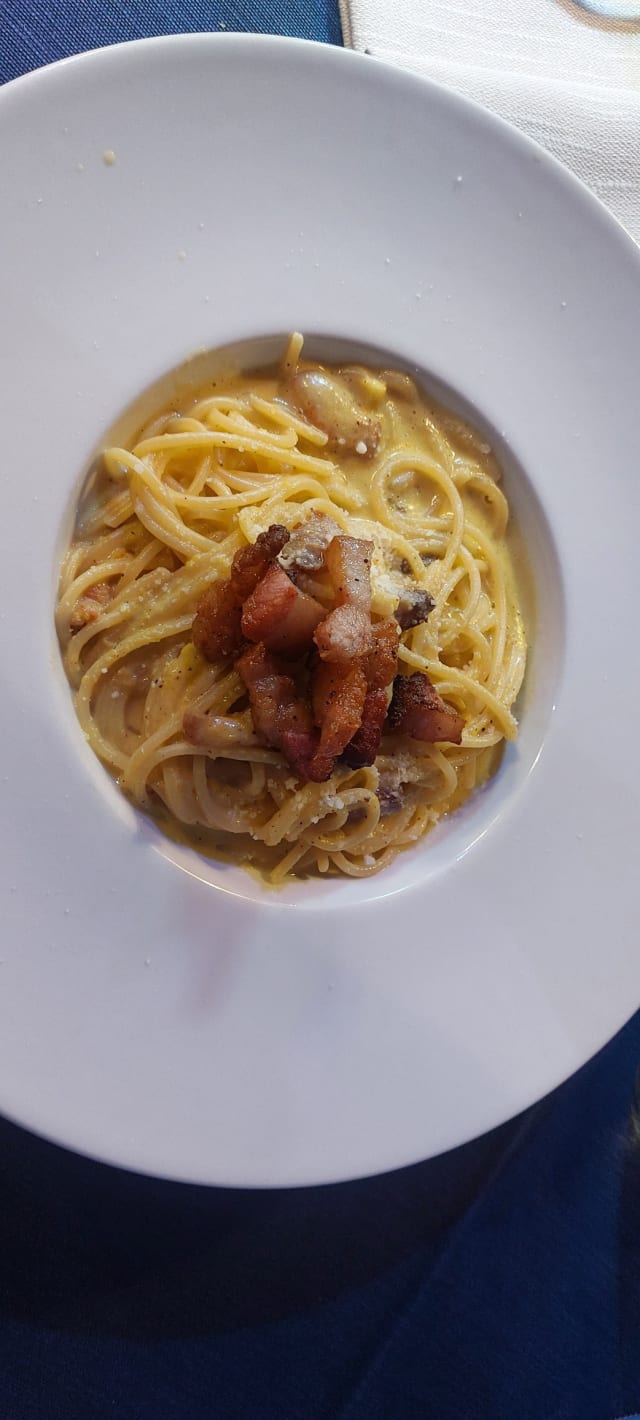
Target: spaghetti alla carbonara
point(290, 620)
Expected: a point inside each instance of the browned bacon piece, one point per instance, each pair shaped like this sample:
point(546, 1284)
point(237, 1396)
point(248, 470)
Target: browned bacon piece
point(302, 752)
point(89, 606)
point(283, 720)
point(280, 716)
point(358, 661)
point(413, 609)
point(273, 695)
point(217, 624)
point(379, 667)
point(278, 614)
point(417, 710)
point(348, 562)
point(346, 633)
point(216, 627)
point(381, 664)
point(338, 697)
point(308, 543)
point(250, 563)
point(364, 746)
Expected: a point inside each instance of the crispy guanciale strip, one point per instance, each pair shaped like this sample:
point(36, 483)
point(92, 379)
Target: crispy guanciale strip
point(301, 751)
point(273, 695)
point(346, 632)
point(279, 615)
point(280, 716)
point(89, 606)
point(344, 636)
point(381, 664)
point(308, 543)
point(348, 562)
point(413, 609)
point(417, 710)
point(364, 746)
point(338, 696)
point(217, 629)
point(379, 667)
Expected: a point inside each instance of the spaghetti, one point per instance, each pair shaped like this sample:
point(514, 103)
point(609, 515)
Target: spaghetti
point(342, 458)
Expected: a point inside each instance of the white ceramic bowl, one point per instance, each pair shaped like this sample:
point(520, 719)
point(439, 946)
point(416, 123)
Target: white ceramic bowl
point(159, 1011)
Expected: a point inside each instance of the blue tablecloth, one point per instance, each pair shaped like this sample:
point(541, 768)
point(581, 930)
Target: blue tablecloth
point(34, 32)
point(500, 1282)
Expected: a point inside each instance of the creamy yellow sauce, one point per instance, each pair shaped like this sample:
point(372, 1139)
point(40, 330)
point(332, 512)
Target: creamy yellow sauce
point(429, 470)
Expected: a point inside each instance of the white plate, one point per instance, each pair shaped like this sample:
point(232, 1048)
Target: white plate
point(159, 1012)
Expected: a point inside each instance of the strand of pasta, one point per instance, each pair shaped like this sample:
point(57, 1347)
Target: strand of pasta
point(280, 415)
point(102, 665)
point(269, 448)
point(402, 462)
